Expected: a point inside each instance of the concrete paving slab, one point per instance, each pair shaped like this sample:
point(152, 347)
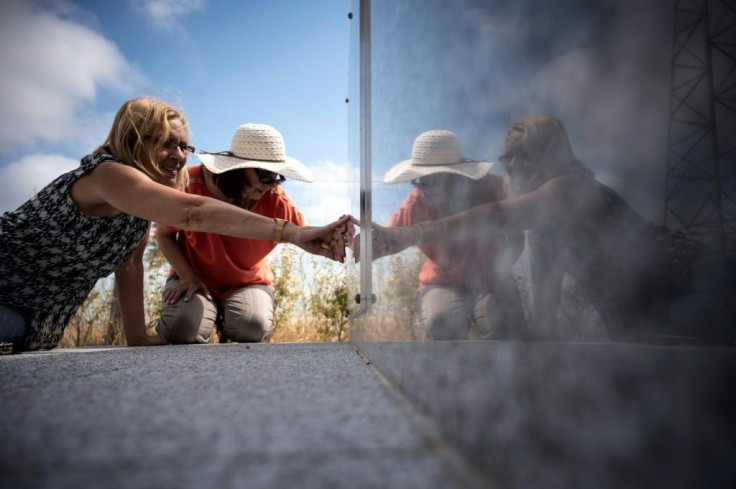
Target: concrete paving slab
point(232, 415)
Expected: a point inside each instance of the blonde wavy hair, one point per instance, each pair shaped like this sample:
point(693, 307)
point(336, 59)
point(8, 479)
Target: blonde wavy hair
point(541, 147)
point(137, 119)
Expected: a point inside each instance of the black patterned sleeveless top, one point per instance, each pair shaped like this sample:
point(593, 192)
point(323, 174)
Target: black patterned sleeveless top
point(624, 263)
point(51, 255)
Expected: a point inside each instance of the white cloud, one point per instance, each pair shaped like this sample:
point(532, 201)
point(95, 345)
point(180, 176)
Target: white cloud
point(25, 177)
point(52, 67)
point(329, 172)
point(167, 14)
point(332, 193)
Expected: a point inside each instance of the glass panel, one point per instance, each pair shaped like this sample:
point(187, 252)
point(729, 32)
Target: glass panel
point(532, 413)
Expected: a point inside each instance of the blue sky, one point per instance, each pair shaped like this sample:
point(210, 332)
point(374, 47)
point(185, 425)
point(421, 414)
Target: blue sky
point(69, 65)
point(601, 66)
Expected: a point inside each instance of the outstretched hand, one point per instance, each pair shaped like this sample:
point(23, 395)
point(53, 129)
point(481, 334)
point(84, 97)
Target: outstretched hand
point(329, 241)
point(386, 241)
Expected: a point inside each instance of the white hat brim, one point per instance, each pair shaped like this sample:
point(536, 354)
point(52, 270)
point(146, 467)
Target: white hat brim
point(407, 170)
point(290, 168)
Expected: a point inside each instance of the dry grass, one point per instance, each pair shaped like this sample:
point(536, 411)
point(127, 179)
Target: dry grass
point(295, 329)
point(379, 325)
point(302, 328)
point(77, 334)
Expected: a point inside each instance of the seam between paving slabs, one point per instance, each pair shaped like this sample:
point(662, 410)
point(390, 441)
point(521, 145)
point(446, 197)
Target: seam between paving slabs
point(429, 432)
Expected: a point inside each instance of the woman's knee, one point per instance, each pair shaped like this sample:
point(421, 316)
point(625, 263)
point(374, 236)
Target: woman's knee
point(445, 314)
point(13, 325)
point(248, 315)
point(188, 322)
point(252, 329)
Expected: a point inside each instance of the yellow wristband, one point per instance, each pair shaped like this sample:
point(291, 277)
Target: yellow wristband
point(278, 232)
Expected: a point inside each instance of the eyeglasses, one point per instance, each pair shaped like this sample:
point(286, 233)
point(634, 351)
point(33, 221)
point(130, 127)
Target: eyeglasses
point(171, 144)
point(268, 178)
point(518, 154)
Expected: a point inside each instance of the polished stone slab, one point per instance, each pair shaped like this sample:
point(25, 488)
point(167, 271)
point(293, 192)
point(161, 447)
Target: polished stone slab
point(563, 414)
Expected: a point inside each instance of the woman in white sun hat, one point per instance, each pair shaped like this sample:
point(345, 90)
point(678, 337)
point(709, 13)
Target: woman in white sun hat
point(219, 280)
point(462, 283)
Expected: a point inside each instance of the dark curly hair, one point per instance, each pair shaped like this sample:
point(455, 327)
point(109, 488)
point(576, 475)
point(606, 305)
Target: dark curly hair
point(232, 183)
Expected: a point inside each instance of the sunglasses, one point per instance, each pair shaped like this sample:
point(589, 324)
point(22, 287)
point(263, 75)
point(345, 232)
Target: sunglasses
point(432, 181)
point(506, 158)
point(268, 178)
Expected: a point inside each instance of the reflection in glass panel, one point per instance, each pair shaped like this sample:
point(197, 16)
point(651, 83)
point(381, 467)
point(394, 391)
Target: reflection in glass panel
point(448, 82)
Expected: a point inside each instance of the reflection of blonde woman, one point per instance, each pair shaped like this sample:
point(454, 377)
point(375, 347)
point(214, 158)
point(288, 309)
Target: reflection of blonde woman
point(94, 220)
point(219, 279)
point(647, 282)
point(464, 281)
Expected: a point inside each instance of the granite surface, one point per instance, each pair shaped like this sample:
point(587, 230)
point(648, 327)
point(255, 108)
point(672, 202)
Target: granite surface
point(199, 416)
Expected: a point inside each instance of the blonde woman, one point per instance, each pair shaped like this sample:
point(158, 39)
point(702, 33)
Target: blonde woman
point(94, 220)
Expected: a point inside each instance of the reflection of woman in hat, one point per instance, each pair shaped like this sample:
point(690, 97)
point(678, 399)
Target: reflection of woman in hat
point(461, 282)
point(218, 279)
point(647, 282)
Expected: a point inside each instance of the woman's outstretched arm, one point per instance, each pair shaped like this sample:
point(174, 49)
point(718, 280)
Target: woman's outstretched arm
point(112, 187)
point(561, 199)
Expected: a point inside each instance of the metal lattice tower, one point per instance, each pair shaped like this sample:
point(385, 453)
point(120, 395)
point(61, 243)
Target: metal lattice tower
point(700, 193)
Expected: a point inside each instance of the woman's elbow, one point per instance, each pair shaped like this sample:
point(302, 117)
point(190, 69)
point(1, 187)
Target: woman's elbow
point(191, 217)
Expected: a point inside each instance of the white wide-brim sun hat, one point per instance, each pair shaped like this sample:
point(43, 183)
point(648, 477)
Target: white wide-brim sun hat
point(436, 152)
point(257, 146)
